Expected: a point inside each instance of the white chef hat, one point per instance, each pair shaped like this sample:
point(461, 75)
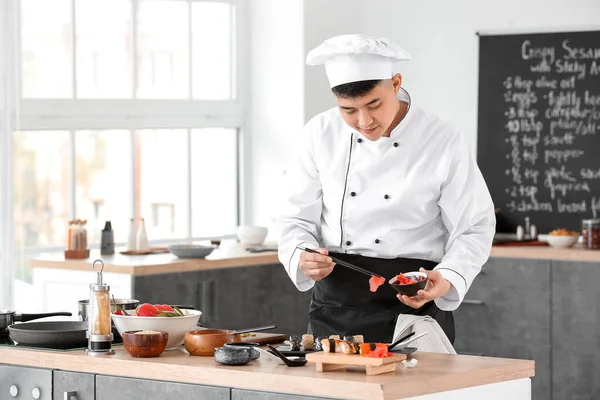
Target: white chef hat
point(356, 57)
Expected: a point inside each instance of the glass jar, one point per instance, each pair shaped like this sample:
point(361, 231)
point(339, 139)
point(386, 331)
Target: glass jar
point(590, 230)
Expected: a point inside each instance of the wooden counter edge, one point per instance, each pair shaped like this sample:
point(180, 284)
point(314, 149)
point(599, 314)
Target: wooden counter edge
point(200, 375)
point(173, 266)
point(257, 380)
point(546, 253)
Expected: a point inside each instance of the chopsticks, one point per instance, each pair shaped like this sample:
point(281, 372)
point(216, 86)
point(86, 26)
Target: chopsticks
point(402, 339)
point(343, 263)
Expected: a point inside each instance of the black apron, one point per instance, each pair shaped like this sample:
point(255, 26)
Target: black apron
point(343, 305)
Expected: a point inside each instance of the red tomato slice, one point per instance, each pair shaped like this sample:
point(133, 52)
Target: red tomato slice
point(164, 307)
point(147, 310)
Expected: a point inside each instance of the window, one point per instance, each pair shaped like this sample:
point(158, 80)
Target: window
point(127, 108)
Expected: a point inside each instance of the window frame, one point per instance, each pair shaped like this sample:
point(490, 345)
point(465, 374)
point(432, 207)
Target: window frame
point(32, 114)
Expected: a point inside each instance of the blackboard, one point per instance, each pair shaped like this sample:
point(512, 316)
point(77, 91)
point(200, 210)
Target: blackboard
point(538, 141)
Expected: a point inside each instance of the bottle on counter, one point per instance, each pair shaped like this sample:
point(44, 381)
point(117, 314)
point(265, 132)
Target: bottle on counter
point(107, 244)
point(132, 236)
point(591, 233)
point(142, 238)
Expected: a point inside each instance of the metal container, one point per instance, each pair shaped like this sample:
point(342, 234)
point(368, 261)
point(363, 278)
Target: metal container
point(83, 306)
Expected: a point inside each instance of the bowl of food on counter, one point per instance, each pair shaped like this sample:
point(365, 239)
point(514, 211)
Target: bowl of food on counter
point(158, 317)
point(409, 283)
point(143, 343)
point(191, 250)
point(249, 236)
point(562, 238)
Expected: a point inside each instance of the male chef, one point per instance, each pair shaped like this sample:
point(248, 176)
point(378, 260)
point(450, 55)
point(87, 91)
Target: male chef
point(382, 184)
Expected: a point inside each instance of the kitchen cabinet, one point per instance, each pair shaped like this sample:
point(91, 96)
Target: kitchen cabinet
point(233, 298)
point(256, 395)
point(112, 387)
point(575, 330)
point(507, 313)
point(73, 386)
point(18, 382)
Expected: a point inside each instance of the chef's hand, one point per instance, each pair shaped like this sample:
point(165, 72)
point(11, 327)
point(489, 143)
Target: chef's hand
point(316, 266)
point(436, 287)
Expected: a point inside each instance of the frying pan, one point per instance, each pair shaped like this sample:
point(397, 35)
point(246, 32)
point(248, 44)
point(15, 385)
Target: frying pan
point(203, 342)
point(9, 317)
point(50, 334)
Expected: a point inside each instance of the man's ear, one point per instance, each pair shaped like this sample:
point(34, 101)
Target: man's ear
point(397, 82)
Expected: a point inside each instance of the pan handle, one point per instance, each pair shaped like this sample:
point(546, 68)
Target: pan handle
point(29, 317)
point(260, 328)
point(70, 396)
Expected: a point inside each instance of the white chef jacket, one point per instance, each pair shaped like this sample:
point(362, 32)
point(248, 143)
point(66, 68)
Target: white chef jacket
point(415, 194)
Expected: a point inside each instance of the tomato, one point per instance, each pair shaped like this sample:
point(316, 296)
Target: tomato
point(147, 310)
point(118, 312)
point(164, 307)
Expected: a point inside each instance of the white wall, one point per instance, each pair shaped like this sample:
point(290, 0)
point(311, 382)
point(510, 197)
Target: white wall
point(441, 37)
point(276, 102)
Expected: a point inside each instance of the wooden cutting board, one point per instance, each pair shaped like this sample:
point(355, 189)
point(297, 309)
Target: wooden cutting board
point(266, 338)
point(373, 366)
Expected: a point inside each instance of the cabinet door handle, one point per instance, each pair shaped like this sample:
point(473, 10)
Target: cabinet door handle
point(70, 396)
point(474, 302)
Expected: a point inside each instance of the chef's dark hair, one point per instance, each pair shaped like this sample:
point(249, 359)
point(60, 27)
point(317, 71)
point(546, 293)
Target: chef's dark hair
point(352, 90)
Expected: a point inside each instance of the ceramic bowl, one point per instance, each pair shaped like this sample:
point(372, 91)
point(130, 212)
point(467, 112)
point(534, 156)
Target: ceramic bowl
point(562, 242)
point(251, 235)
point(254, 353)
point(410, 289)
point(175, 326)
point(191, 250)
point(144, 344)
point(233, 355)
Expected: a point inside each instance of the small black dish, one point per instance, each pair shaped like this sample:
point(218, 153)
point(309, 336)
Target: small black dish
point(287, 361)
point(410, 289)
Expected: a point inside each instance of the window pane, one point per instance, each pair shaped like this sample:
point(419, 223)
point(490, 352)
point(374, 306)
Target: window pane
point(46, 42)
point(214, 181)
point(163, 49)
point(163, 194)
point(104, 187)
point(103, 48)
point(41, 188)
point(211, 50)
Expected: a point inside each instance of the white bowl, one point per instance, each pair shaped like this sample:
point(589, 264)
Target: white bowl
point(176, 326)
point(561, 242)
point(251, 235)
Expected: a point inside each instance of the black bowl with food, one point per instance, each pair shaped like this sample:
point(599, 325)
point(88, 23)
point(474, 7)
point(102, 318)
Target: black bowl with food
point(409, 283)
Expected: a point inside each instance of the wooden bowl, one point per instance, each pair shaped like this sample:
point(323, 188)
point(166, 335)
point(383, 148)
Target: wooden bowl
point(145, 344)
point(203, 342)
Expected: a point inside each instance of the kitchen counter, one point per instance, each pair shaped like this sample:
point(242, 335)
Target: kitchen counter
point(435, 373)
point(155, 263)
point(167, 263)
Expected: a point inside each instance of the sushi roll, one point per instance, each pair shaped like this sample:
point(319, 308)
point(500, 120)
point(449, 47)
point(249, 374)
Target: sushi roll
point(308, 342)
point(350, 347)
point(332, 345)
point(295, 343)
point(318, 345)
point(359, 339)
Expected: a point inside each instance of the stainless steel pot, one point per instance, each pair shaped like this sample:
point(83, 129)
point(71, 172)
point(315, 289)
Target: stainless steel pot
point(9, 317)
point(83, 306)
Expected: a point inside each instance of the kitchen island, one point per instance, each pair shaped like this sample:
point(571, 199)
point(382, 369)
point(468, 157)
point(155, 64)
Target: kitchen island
point(521, 306)
point(176, 374)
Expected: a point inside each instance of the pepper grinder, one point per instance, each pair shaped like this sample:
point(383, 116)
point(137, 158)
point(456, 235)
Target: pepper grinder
point(99, 333)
